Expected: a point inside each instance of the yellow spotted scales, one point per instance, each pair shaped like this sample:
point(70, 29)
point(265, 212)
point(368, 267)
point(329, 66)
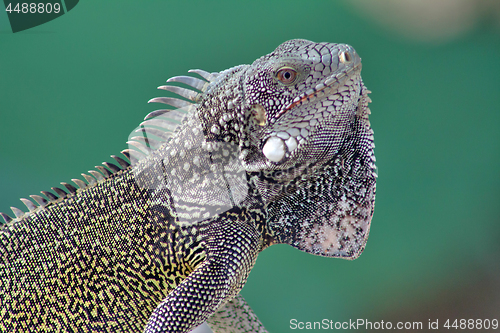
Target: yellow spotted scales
point(279, 151)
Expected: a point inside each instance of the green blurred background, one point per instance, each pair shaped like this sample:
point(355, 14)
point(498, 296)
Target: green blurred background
point(71, 91)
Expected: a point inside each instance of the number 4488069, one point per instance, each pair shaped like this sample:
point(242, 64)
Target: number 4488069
point(472, 324)
point(34, 7)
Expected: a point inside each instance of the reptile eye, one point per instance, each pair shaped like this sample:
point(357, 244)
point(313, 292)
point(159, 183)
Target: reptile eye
point(286, 75)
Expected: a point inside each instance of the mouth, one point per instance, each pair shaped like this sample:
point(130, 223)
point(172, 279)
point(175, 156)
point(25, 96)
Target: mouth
point(351, 63)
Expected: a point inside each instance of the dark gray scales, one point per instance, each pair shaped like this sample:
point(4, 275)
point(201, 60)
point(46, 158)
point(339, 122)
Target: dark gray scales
point(279, 151)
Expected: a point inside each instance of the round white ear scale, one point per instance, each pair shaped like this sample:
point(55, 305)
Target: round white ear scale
point(274, 149)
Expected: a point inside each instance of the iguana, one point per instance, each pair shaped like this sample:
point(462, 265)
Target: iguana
point(279, 151)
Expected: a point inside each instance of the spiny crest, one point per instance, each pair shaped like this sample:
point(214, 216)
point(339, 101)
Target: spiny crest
point(308, 85)
point(200, 169)
point(50, 198)
point(157, 127)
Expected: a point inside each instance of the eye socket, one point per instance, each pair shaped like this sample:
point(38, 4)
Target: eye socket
point(286, 75)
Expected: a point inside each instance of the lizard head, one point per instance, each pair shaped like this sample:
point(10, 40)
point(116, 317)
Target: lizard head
point(295, 97)
point(309, 144)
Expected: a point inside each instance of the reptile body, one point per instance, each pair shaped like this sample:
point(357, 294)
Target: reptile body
point(279, 151)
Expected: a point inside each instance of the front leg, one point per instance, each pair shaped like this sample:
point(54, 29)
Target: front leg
point(232, 245)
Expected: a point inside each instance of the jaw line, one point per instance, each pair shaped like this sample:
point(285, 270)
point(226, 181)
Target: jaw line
point(331, 82)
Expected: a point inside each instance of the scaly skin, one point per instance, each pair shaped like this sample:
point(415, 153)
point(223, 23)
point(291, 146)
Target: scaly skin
point(280, 151)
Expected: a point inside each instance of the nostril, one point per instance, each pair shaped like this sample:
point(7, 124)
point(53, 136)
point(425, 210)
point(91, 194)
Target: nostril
point(345, 57)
